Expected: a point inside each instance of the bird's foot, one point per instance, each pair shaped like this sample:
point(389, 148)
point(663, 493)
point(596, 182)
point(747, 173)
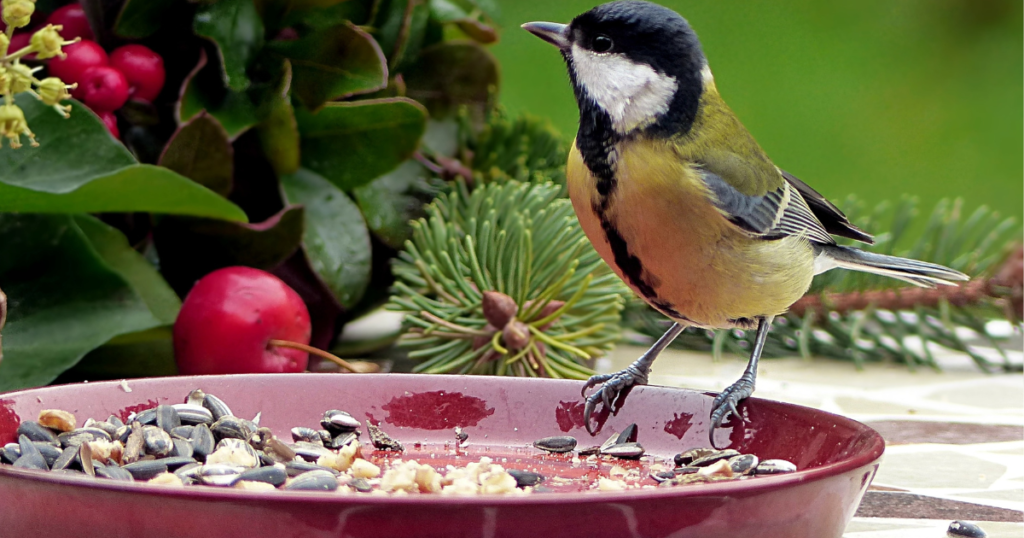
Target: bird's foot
point(613, 386)
point(726, 402)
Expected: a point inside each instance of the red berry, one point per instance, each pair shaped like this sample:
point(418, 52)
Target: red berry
point(229, 318)
point(20, 41)
point(105, 88)
point(143, 68)
point(110, 121)
point(72, 18)
point(80, 56)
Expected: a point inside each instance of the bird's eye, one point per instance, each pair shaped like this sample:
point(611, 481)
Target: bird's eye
point(602, 43)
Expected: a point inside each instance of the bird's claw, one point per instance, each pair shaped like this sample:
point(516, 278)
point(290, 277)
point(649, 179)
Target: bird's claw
point(612, 386)
point(726, 402)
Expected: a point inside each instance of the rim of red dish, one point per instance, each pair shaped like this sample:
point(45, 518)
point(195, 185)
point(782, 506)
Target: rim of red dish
point(724, 488)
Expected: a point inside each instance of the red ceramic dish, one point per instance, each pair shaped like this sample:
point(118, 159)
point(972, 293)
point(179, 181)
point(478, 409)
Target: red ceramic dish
point(837, 457)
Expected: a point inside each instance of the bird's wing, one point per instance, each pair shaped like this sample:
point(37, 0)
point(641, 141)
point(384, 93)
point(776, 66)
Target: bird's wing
point(834, 221)
point(778, 213)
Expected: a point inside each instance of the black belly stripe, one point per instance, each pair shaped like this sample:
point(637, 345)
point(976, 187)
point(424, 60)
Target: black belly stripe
point(596, 142)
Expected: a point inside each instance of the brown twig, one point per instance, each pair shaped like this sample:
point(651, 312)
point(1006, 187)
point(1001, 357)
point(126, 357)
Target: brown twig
point(361, 368)
point(1007, 284)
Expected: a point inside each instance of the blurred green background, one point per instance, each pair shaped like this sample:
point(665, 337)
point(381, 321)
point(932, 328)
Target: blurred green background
point(873, 97)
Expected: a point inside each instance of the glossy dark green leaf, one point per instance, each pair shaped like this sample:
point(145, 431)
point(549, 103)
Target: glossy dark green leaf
point(141, 187)
point(71, 152)
point(326, 13)
point(200, 150)
point(263, 245)
point(79, 167)
point(401, 27)
point(389, 202)
point(336, 240)
point(64, 299)
point(454, 74)
point(204, 89)
point(352, 143)
point(142, 354)
point(112, 246)
point(279, 136)
point(141, 18)
point(237, 30)
point(333, 63)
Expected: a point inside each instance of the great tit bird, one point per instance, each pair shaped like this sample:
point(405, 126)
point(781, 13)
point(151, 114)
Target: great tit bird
point(681, 201)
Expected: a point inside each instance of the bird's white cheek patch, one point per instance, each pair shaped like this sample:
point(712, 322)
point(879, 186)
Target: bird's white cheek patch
point(633, 94)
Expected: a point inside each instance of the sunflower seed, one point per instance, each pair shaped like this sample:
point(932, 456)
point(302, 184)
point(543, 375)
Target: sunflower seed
point(337, 421)
point(67, 457)
point(157, 441)
point(146, 469)
point(30, 457)
point(230, 426)
point(713, 457)
point(195, 397)
point(313, 481)
point(115, 421)
point(628, 435)
point(743, 464)
point(219, 474)
point(685, 458)
point(774, 467)
point(105, 426)
point(343, 439)
point(309, 435)
point(167, 418)
point(182, 448)
point(297, 467)
point(193, 414)
point(557, 444)
point(115, 473)
point(10, 453)
point(82, 435)
point(625, 450)
point(360, 485)
point(175, 462)
point(271, 475)
point(203, 442)
point(182, 432)
point(963, 529)
point(525, 478)
point(309, 451)
point(85, 458)
point(36, 432)
point(146, 417)
point(217, 407)
point(49, 452)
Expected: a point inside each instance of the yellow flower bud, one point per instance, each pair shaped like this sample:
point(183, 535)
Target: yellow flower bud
point(20, 76)
point(13, 125)
point(4, 43)
point(47, 42)
point(5, 81)
point(52, 90)
point(17, 13)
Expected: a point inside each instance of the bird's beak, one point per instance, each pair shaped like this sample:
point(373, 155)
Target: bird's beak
point(552, 32)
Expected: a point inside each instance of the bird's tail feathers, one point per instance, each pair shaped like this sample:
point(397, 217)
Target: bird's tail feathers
point(924, 274)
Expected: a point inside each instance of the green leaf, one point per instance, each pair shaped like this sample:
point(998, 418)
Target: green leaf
point(336, 240)
point(401, 27)
point(454, 74)
point(64, 299)
point(141, 187)
point(143, 354)
point(200, 150)
point(326, 13)
point(352, 143)
point(71, 152)
point(261, 245)
point(237, 30)
point(141, 18)
point(203, 89)
point(389, 202)
point(279, 136)
point(333, 63)
point(112, 246)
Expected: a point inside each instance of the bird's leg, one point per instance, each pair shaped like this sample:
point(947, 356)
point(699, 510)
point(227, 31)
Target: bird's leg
point(725, 403)
point(612, 385)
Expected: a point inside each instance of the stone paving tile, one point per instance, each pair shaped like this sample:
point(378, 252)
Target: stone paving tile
point(955, 439)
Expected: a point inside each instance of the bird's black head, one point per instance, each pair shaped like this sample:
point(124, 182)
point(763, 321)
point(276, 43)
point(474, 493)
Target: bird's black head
point(638, 64)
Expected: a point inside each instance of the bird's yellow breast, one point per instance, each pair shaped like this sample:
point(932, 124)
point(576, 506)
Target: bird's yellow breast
point(659, 231)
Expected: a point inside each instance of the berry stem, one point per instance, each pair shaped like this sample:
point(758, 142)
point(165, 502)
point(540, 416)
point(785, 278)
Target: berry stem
point(319, 353)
